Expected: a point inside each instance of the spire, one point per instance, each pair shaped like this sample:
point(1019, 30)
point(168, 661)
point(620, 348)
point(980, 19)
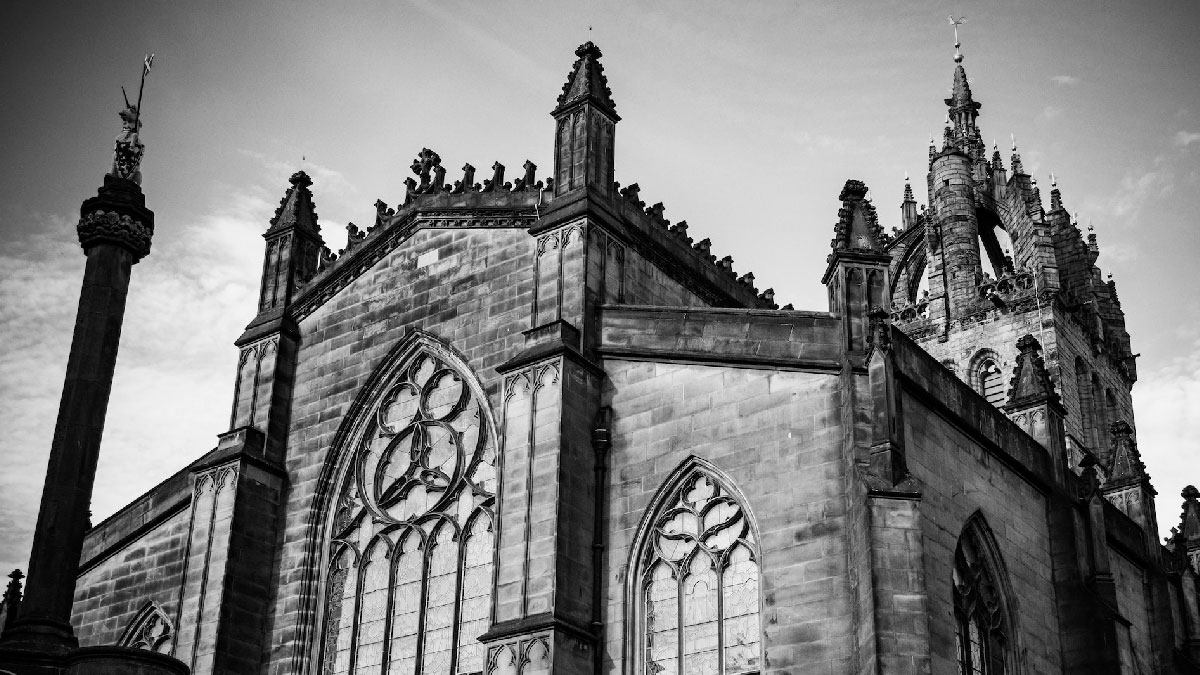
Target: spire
point(1016, 158)
point(296, 209)
point(1031, 382)
point(997, 161)
point(963, 108)
point(586, 82)
point(1125, 459)
point(857, 227)
point(585, 123)
point(908, 207)
point(1055, 195)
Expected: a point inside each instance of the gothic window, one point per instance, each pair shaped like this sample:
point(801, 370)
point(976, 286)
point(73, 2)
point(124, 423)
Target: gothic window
point(981, 631)
point(409, 578)
point(1087, 408)
point(149, 629)
point(697, 583)
point(991, 382)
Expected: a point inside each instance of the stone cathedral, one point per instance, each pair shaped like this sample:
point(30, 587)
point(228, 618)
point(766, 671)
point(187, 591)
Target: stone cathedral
point(523, 426)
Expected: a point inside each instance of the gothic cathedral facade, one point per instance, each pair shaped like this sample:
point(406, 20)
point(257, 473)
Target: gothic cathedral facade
point(525, 427)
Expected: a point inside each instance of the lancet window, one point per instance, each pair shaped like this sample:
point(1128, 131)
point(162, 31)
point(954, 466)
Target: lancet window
point(990, 382)
point(698, 584)
point(981, 633)
point(409, 579)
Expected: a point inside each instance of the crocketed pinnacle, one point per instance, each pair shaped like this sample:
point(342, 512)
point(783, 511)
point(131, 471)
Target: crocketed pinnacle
point(1031, 383)
point(1189, 520)
point(858, 226)
point(586, 82)
point(296, 209)
point(1125, 459)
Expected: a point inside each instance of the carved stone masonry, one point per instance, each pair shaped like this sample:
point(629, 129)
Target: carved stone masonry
point(109, 226)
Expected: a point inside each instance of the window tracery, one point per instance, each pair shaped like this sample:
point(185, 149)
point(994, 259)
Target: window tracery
point(981, 632)
point(409, 582)
point(698, 584)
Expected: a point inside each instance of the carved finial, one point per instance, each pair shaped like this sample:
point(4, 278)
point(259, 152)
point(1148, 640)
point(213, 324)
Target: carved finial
point(1190, 518)
point(467, 182)
point(428, 162)
point(497, 181)
point(12, 598)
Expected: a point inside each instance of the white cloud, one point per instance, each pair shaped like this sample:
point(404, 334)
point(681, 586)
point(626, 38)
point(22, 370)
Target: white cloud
point(1167, 400)
point(187, 302)
point(1051, 112)
point(1186, 138)
point(1065, 80)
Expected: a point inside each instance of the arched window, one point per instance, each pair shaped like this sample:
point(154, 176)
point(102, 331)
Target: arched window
point(1087, 407)
point(149, 629)
point(982, 631)
point(991, 382)
point(409, 580)
point(696, 581)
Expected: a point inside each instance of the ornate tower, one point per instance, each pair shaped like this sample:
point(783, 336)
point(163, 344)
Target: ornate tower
point(998, 266)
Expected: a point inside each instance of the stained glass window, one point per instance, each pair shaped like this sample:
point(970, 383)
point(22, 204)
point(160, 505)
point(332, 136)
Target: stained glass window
point(699, 584)
point(409, 582)
point(981, 630)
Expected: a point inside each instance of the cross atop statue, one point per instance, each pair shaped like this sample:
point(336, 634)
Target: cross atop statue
point(128, 149)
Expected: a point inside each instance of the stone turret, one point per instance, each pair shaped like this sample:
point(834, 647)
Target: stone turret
point(857, 275)
point(293, 247)
point(585, 123)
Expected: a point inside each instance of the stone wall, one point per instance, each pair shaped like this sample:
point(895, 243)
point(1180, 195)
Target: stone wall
point(777, 436)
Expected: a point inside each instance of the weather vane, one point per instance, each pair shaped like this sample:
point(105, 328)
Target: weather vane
point(958, 57)
point(128, 150)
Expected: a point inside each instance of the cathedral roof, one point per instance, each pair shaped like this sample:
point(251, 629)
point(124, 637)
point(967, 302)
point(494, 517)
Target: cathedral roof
point(586, 82)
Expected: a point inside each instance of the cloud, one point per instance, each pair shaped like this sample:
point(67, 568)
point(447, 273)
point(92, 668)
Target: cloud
point(1186, 138)
point(187, 301)
point(1166, 400)
point(328, 181)
point(1065, 80)
point(1051, 112)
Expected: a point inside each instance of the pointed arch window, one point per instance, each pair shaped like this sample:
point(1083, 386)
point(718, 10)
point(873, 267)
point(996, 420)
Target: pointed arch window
point(149, 629)
point(991, 382)
point(697, 582)
point(409, 578)
point(982, 631)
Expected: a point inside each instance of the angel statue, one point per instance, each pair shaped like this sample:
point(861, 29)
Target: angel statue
point(128, 150)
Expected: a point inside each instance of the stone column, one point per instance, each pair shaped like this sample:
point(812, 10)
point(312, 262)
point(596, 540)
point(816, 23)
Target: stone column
point(115, 228)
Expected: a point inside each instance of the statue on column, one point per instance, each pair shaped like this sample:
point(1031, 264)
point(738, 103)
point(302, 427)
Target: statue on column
point(128, 150)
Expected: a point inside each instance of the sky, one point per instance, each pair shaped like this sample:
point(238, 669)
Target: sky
point(744, 119)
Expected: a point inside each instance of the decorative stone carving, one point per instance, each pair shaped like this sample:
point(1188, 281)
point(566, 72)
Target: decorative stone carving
point(111, 227)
